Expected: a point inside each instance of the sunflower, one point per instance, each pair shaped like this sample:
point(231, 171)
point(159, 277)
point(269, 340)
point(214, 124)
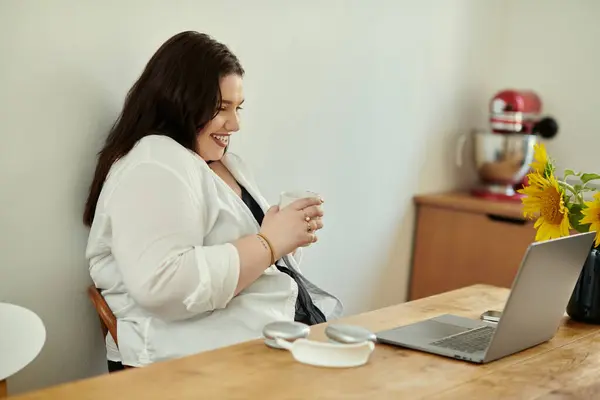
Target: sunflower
point(591, 215)
point(537, 180)
point(545, 198)
point(541, 164)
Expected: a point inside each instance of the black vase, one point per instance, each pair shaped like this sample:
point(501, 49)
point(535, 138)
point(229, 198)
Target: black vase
point(584, 305)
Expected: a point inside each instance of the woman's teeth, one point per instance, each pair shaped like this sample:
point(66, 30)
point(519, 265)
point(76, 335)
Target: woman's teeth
point(224, 139)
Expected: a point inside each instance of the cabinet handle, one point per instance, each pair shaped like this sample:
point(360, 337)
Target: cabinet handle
point(508, 220)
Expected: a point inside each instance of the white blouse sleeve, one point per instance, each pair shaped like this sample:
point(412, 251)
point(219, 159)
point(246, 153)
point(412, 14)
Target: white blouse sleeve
point(158, 228)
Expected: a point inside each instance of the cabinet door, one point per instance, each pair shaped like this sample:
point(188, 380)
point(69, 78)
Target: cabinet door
point(455, 248)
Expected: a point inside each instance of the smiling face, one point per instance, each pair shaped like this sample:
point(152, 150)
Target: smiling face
point(216, 134)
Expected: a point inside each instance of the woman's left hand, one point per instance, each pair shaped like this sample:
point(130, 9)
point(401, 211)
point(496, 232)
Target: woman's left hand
point(316, 224)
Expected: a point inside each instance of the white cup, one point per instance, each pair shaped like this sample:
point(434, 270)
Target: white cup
point(286, 198)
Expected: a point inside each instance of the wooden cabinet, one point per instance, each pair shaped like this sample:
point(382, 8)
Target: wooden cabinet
point(461, 240)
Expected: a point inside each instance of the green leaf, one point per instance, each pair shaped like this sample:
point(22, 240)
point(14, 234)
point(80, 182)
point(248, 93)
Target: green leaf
point(575, 216)
point(585, 178)
point(580, 188)
point(570, 172)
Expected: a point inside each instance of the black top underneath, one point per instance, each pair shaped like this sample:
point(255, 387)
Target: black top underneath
point(306, 311)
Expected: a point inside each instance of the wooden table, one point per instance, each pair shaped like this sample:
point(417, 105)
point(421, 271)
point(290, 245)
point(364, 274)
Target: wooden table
point(566, 367)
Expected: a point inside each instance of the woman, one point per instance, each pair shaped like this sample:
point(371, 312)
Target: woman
point(180, 244)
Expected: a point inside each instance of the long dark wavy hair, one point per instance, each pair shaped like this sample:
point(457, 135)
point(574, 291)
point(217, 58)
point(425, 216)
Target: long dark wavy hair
point(176, 95)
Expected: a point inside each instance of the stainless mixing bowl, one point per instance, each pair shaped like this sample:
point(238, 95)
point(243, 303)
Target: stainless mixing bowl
point(502, 160)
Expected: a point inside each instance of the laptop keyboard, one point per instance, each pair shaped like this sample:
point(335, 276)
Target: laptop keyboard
point(471, 341)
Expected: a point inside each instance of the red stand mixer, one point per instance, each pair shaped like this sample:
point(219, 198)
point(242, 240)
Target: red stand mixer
point(502, 155)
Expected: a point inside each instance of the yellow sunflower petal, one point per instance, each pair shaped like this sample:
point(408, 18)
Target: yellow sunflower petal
point(536, 179)
point(540, 156)
point(565, 227)
point(545, 198)
point(591, 216)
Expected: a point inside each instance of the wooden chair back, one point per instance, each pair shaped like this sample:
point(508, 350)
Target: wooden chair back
point(108, 321)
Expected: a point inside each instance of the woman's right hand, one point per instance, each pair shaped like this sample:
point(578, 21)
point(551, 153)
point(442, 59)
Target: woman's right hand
point(292, 226)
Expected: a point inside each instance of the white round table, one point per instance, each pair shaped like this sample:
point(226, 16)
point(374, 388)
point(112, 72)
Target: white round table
point(22, 336)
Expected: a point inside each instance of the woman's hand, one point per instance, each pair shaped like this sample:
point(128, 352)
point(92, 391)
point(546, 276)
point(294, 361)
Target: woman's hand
point(293, 226)
point(285, 231)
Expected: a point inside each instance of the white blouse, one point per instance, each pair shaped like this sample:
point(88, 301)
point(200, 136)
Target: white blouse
point(160, 250)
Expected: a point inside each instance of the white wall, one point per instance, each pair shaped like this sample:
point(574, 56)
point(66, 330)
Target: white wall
point(359, 100)
point(552, 46)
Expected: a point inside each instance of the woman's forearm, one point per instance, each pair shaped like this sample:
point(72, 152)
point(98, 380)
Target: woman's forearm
point(255, 258)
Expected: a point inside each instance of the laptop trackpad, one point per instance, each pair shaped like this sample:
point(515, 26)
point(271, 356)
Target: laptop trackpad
point(429, 330)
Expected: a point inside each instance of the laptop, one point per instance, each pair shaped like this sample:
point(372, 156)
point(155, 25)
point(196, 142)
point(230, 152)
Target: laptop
point(532, 314)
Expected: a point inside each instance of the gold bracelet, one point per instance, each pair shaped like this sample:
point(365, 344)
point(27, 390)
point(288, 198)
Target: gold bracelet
point(263, 237)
